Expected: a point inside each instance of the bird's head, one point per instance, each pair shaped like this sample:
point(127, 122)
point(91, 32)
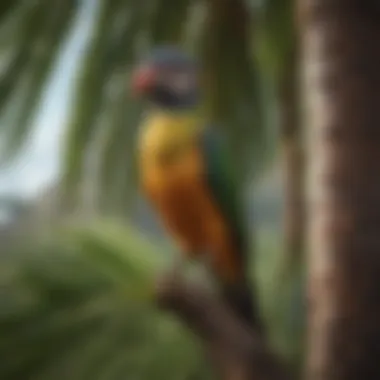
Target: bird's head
point(168, 77)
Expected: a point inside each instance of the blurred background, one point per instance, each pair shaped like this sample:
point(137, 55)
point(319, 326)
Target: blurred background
point(79, 246)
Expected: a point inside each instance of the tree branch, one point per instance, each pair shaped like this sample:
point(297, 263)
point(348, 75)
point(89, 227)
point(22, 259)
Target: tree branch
point(237, 353)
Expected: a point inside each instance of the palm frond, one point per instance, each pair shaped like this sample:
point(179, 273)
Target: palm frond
point(40, 42)
point(75, 307)
point(90, 92)
point(117, 250)
point(26, 27)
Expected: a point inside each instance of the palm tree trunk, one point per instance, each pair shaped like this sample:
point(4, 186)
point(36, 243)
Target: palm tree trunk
point(293, 165)
point(342, 87)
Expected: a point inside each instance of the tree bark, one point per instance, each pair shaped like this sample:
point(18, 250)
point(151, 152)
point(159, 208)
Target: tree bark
point(341, 57)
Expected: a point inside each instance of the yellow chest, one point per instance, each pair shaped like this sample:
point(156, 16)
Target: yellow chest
point(168, 154)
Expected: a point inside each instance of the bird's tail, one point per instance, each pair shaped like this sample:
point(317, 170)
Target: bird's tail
point(240, 298)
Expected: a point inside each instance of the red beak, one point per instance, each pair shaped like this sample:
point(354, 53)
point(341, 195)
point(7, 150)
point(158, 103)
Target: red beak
point(143, 80)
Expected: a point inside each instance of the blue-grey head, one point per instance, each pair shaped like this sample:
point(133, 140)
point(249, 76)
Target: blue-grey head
point(169, 78)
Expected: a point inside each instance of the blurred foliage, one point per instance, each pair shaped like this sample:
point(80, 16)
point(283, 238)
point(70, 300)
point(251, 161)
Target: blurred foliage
point(79, 306)
point(32, 33)
point(236, 42)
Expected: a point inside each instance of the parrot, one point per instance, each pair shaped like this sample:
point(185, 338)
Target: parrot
point(186, 174)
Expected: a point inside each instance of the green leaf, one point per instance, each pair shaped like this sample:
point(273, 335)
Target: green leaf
point(120, 254)
point(29, 20)
point(57, 20)
point(89, 96)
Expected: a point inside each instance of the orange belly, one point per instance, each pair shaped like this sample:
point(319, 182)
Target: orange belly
point(187, 210)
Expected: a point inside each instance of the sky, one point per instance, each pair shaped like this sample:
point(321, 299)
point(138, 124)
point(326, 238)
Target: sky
point(38, 165)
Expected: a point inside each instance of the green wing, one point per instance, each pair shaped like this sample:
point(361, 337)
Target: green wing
point(222, 185)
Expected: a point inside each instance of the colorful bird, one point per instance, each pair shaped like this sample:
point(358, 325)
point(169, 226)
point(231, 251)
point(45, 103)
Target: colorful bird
point(186, 174)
